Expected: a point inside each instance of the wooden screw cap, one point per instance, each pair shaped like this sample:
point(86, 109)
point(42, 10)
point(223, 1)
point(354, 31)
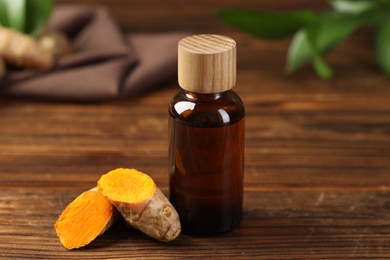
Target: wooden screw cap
point(207, 63)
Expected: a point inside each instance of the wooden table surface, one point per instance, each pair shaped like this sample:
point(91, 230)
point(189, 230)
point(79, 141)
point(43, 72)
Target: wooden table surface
point(317, 164)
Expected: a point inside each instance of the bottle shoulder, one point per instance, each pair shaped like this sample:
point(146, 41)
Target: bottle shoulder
point(207, 110)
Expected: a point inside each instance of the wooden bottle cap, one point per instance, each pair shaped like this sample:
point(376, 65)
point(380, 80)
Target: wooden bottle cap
point(207, 63)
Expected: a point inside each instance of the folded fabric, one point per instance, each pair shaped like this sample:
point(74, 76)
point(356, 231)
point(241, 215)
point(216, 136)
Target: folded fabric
point(104, 63)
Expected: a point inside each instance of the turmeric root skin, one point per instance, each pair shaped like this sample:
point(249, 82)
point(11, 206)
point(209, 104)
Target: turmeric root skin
point(85, 218)
point(156, 217)
point(55, 42)
point(23, 51)
point(142, 205)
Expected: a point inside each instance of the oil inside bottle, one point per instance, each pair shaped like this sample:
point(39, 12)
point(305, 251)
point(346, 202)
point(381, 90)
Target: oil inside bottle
point(206, 162)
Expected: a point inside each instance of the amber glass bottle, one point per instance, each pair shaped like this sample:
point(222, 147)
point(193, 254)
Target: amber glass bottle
point(206, 153)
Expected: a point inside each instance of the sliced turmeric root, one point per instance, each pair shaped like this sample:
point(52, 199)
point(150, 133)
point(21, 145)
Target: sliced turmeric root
point(85, 218)
point(141, 203)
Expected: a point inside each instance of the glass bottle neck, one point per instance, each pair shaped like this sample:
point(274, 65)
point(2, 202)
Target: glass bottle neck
point(204, 97)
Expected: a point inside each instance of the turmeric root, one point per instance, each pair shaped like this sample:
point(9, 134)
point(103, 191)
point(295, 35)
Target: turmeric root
point(85, 218)
point(141, 203)
point(56, 42)
point(21, 50)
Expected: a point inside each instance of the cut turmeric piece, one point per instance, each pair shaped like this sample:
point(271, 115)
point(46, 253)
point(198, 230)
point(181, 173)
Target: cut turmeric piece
point(141, 203)
point(85, 218)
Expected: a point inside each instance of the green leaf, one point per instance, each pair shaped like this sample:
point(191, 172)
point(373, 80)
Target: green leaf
point(301, 51)
point(331, 29)
point(38, 13)
point(320, 37)
point(353, 6)
point(382, 47)
point(322, 69)
point(16, 13)
point(3, 14)
point(267, 25)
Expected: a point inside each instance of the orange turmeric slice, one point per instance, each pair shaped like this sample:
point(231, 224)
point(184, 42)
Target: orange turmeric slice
point(141, 203)
point(85, 218)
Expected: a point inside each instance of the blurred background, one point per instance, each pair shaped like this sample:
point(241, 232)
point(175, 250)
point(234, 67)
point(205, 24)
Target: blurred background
point(196, 16)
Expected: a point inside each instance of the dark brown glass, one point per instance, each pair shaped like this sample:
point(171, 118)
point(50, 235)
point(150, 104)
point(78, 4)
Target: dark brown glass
point(206, 160)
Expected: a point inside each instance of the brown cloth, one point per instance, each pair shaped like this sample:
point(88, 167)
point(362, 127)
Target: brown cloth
point(104, 64)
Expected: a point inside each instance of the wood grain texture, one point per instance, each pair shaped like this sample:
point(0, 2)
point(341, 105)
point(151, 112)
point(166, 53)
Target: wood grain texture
point(207, 63)
point(317, 160)
point(315, 224)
